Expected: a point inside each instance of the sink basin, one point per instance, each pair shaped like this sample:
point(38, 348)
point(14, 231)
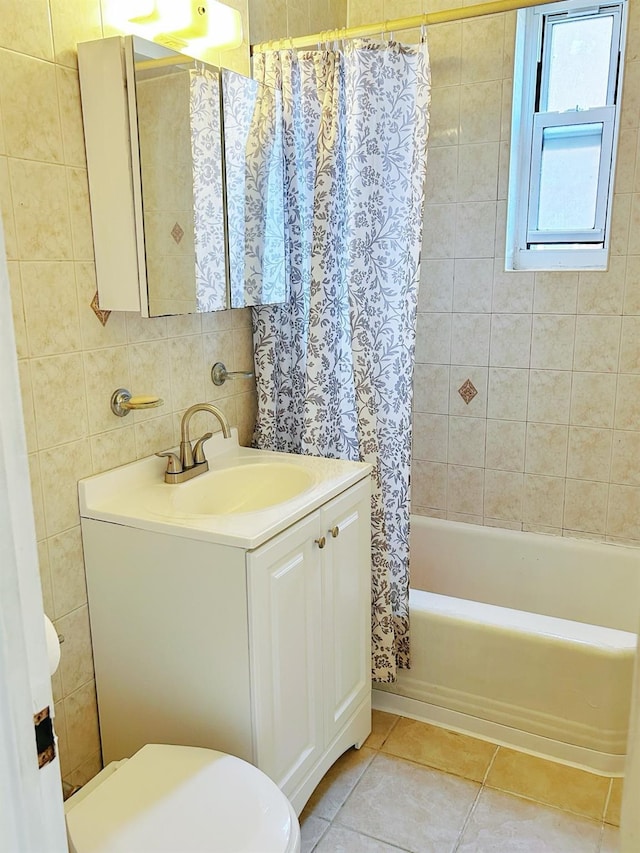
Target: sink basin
point(242, 488)
point(245, 498)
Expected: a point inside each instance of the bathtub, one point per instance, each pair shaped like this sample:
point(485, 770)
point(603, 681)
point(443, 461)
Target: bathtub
point(521, 638)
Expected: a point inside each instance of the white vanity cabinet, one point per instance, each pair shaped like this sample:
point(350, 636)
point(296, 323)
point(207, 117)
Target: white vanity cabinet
point(263, 652)
point(309, 634)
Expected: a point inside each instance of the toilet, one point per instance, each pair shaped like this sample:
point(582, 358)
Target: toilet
point(181, 799)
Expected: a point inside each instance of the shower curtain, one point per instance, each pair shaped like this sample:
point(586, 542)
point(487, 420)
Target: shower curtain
point(334, 364)
point(208, 213)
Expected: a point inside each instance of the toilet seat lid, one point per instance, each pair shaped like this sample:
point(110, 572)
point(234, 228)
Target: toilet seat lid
point(170, 799)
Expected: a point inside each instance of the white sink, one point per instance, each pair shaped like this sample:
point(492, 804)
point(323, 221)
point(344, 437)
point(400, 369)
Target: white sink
point(241, 488)
point(245, 498)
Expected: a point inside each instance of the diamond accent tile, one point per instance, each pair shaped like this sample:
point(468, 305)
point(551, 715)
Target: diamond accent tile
point(177, 232)
point(101, 314)
point(467, 391)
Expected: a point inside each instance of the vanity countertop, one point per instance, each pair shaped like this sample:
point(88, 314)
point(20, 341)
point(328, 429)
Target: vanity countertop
point(135, 495)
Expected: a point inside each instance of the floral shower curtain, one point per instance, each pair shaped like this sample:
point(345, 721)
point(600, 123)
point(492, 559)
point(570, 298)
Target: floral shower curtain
point(208, 213)
point(334, 364)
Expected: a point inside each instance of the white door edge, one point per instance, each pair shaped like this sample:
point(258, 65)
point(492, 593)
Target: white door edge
point(31, 812)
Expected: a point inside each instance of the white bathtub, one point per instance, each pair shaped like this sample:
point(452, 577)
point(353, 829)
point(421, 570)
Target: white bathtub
point(522, 638)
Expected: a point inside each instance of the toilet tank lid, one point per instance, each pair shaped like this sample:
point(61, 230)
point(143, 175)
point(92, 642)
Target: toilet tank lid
point(178, 798)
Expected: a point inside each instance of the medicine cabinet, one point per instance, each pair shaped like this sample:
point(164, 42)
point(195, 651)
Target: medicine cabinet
point(185, 166)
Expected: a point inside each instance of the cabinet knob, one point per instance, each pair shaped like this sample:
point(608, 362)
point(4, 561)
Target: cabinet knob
point(335, 532)
point(321, 542)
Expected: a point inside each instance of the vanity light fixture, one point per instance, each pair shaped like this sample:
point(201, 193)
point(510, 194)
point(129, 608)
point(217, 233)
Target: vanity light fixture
point(192, 26)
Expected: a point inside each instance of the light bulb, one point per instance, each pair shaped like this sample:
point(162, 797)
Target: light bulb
point(223, 28)
point(119, 13)
point(200, 26)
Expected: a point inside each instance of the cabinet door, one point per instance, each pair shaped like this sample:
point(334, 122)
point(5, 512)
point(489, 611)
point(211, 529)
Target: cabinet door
point(347, 604)
point(286, 654)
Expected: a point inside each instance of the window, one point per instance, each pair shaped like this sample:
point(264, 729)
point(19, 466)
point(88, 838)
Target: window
point(567, 84)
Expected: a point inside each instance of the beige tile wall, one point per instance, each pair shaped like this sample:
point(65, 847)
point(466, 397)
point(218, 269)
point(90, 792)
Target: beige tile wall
point(551, 441)
point(69, 363)
point(275, 19)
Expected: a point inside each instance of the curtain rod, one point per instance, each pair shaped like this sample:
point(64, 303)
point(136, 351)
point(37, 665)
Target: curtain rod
point(476, 11)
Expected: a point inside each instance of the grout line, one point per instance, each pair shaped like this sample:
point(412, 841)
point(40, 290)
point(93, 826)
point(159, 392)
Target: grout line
point(377, 751)
point(386, 737)
point(543, 804)
point(475, 802)
point(601, 839)
point(465, 823)
point(324, 832)
point(344, 802)
point(607, 801)
point(607, 515)
point(390, 844)
point(490, 766)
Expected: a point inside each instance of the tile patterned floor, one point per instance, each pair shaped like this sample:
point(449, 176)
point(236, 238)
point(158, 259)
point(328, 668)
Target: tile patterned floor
point(419, 788)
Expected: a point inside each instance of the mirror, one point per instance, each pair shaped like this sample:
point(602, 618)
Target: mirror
point(179, 138)
point(186, 187)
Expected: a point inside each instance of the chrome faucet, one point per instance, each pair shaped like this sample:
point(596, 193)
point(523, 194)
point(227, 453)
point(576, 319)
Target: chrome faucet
point(192, 460)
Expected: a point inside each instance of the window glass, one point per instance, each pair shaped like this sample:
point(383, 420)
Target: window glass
point(579, 59)
point(569, 177)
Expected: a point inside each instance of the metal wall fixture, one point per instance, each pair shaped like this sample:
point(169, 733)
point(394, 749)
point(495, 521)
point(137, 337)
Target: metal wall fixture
point(220, 374)
point(122, 402)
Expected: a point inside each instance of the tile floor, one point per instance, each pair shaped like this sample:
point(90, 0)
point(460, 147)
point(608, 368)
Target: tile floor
point(419, 788)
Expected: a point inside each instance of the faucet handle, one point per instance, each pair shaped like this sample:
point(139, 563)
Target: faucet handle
point(198, 450)
point(174, 466)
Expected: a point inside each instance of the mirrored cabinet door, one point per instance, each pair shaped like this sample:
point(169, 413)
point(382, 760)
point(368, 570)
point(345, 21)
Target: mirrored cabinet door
point(174, 231)
point(178, 119)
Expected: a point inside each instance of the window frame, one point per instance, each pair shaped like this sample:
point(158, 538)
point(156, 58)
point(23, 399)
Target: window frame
point(582, 249)
point(541, 121)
